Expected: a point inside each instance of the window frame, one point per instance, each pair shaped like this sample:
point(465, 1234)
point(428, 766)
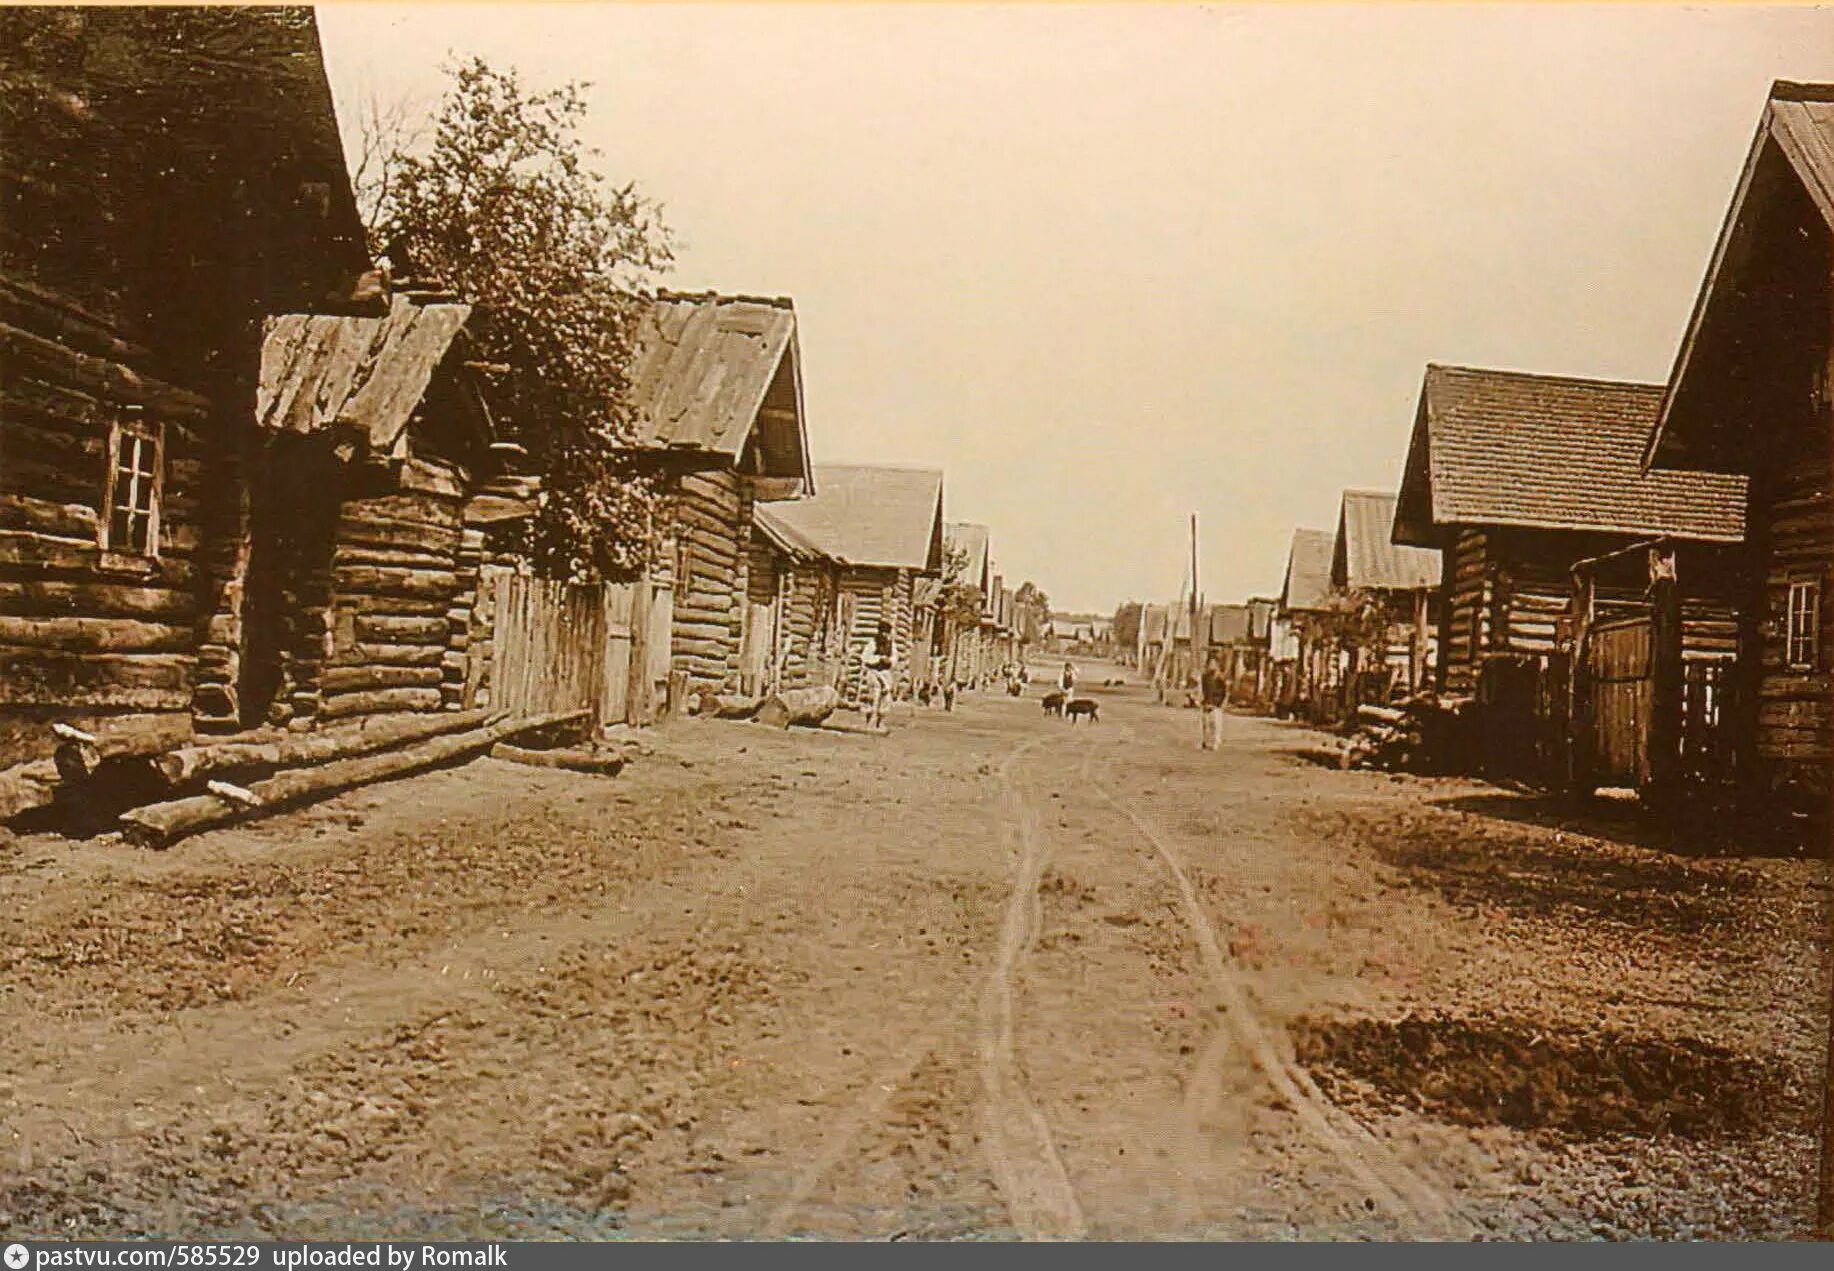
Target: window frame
point(133, 422)
point(1811, 587)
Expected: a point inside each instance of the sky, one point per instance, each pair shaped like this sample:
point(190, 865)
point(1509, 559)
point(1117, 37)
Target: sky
point(1109, 266)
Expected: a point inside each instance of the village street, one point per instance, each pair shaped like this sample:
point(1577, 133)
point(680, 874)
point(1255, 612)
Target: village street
point(990, 976)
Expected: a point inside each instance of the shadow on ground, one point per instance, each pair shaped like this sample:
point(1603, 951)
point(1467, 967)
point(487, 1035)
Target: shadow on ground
point(1482, 865)
point(1690, 830)
point(1489, 1071)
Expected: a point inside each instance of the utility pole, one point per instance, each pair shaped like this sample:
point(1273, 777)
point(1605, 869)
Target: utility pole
point(1193, 670)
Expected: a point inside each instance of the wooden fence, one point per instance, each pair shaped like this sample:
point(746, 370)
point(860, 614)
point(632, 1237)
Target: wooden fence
point(541, 646)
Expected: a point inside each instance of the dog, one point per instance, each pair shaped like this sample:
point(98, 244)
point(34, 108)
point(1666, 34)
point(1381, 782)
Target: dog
point(1015, 689)
point(1082, 706)
point(1053, 703)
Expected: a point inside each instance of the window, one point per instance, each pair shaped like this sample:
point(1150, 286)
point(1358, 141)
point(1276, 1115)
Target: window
point(1804, 633)
point(136, 454)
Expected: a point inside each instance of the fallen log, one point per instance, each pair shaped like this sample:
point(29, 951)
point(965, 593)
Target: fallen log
point(182, 767)
point(573, 759)
point(808, 706)
point(1381, 714)
point(728, 705)
point(162, 824)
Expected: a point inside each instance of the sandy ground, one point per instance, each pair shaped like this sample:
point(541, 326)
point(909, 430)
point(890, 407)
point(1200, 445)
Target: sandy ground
point(988, 976)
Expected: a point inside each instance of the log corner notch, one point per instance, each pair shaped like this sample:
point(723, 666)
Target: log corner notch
point(160, 825)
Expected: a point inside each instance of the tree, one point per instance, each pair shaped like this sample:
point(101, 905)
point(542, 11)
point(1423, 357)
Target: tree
point(502, 208)
point(1127, 625)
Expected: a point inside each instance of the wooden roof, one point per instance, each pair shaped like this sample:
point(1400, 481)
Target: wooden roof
point(870, 516)
point(1308, 572)
point(1229, 624)
point(1365, 555)
point(972, 541)
point(1794, 144)
point(711, 372)
point(1550, 452)
point(1153, 623)
point(177, 171)
point(369, 373)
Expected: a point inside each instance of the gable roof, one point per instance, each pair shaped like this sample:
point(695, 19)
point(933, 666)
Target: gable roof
point(370, 373)
point(1794, 140)
point(871, 516)
point(1307, 585)
point(1152, 624)
point(1365, 555)
point(1550, 452)
point(972, 542)
point(785, 537)
point(206, 131)
point(711, 370)
point(1261, 617)
point(1229, 624)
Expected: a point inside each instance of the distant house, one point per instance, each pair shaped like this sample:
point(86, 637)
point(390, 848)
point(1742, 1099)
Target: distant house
point(1520, 478)
point(1396, 582)
point(1750, 393)
point(716, 390)
point(792, 573)
point(172, 177)
point(1304, 610)
point(883, 529)
point(968, 647)
point(1154, 630)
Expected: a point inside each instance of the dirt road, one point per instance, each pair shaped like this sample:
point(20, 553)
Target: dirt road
point(990, 976)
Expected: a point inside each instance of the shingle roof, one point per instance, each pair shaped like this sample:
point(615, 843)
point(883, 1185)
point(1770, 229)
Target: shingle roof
point(1365, 555)
point(1795, 135)
point(1308, 572)
point(708, 368)
point(318, 370)
point(874, 516)
point(1551, 452)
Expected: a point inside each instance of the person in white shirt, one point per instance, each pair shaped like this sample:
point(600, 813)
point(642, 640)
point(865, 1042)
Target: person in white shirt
point(877, 656)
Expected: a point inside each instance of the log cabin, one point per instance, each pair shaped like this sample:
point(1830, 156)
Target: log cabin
point(171, 177)
point(791, 572)
point(716, 390)
point(1399, 583)
point(1752, 392)
point(1306, 608)
point(883, 529)
point(968, 645)
point(357, 570)
point(1517, 478)
point(1154, 624)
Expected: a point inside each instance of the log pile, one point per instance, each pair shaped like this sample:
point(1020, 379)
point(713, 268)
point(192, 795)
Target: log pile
point(162, 824)
point(1421, 735)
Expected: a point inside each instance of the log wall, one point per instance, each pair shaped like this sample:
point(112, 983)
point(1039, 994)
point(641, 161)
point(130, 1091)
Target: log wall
point(1794, 724)
point(103, 639)
point(711, 518)
point(397, 594)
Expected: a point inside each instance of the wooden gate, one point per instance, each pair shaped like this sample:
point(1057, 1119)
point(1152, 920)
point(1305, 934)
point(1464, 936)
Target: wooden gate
point(542, 646)
point(548, 648)
point(1620, 665)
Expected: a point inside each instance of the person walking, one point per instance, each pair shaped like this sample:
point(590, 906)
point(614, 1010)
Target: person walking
point(877, 658)
point(1067, 682)
point(1215, 686)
